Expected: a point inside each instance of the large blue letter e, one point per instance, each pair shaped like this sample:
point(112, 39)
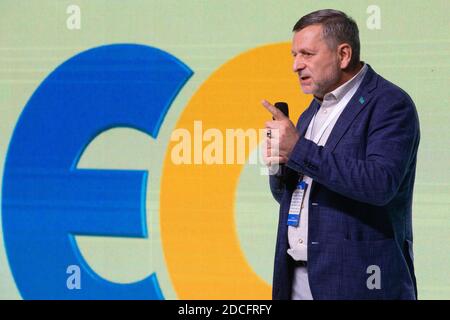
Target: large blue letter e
point(47, 200)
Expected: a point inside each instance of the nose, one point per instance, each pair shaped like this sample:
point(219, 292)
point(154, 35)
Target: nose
point(298, 63)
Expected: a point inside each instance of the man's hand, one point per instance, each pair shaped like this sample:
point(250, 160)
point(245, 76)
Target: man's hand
point(282, 136)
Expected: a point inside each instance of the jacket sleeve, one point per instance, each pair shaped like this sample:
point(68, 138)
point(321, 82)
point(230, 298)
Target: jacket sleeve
point(392, 140)
point(277, 187)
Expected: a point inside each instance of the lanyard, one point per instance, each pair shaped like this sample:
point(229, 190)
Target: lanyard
point(337, 109)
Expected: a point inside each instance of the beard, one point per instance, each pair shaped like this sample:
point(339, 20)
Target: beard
point(327, 82)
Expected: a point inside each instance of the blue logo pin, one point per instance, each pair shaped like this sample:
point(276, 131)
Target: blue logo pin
point(361, 100)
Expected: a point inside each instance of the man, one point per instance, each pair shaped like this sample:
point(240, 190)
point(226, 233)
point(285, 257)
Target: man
point(345, 198)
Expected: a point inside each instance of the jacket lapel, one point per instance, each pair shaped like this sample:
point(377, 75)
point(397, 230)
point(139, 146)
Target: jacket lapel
point(356, 104)
point(303, 124)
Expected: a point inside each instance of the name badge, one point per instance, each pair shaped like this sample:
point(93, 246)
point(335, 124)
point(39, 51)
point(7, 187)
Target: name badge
point(296, 204)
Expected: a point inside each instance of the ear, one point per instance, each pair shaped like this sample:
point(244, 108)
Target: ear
point(345, 55)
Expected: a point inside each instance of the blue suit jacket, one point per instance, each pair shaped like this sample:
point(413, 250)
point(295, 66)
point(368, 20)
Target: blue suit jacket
point(360, 199)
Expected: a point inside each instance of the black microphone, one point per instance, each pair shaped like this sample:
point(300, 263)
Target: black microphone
point(283, 107)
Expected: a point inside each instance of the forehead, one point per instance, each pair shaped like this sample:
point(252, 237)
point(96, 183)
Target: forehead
point(309, 37)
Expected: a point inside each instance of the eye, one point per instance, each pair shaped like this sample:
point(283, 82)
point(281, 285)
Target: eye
point(304, 54)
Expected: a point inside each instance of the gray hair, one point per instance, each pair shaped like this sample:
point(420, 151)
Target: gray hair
point(337, 27)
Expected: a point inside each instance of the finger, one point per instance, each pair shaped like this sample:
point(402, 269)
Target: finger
point(273, 149)
point(283, 159)
point(276, 160)
point(277, 114)
point(266, 147)
point(267, 144)
point(275, 134)
point(265, 157)
point(273, 125)
point(270, 124)
point(266, 153)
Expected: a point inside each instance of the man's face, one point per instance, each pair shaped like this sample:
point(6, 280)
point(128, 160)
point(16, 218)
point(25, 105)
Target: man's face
point(317, 65)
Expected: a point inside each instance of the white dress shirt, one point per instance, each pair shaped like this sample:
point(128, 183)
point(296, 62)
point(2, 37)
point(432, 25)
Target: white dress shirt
point(336, 100)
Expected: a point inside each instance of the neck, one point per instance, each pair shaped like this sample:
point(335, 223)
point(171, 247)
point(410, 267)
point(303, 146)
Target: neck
point(348, 74)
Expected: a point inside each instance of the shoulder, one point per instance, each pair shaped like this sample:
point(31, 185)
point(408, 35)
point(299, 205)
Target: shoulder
point(388, 91)
point(390, 103)
point(388, 97)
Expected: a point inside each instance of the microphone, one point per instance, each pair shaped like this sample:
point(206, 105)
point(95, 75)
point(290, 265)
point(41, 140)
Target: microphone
point(283, 107)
